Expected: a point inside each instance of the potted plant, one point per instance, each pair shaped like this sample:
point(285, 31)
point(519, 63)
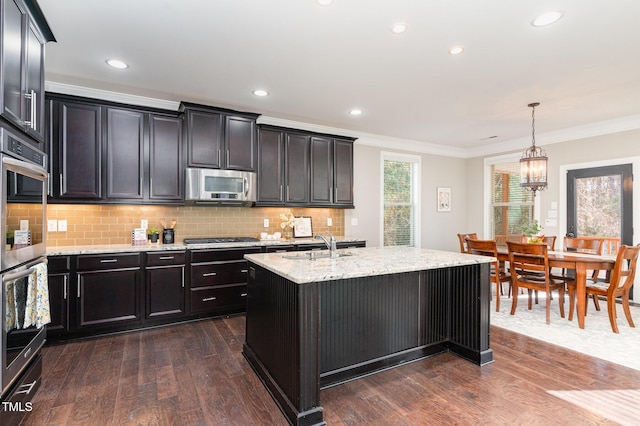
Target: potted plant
point(532, 230)
point(152, 234)
point(10, 238)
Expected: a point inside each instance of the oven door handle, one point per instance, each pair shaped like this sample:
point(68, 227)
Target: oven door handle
point(12, 276)
point(35, 170)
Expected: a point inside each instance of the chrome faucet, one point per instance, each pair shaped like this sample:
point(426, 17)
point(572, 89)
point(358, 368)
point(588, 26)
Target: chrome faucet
point(331, 244)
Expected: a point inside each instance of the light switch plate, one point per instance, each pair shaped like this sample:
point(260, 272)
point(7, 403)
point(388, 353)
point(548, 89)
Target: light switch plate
point(52, 225)
point(354, 221)
point(144, 224)
point(24, 225)
point(62, 226)
point(329, 221)
point(265, 223)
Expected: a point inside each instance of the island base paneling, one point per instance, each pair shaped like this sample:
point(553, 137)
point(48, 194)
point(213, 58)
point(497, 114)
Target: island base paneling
point(304, 337)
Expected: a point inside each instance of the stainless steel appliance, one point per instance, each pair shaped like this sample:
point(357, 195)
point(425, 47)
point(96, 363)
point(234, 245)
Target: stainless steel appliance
point(222, 187)
point(23, 188)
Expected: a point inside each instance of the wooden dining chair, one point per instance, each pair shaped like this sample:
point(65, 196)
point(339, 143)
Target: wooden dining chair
point(592, 246)
point(620, 284)
point(529, 267)
point(498, 273)
point(550, 241)
point(463, 241)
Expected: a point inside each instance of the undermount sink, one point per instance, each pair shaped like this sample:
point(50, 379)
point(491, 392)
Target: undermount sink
point(313, 255)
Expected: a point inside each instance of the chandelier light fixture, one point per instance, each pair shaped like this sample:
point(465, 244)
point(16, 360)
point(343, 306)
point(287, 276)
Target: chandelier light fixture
point(533, 164)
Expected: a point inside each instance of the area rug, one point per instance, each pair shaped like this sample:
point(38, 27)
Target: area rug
point(596, 339)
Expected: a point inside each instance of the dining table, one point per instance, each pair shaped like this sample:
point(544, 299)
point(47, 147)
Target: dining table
point(581, 263)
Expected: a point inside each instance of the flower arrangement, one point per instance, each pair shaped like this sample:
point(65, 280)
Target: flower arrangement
point(288, 221)
point(531, 230)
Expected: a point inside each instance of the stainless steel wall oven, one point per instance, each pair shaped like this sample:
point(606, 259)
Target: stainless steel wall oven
point(23, 187)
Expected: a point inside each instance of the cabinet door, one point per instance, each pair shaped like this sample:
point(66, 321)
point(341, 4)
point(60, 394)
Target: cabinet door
point(270, 166)
point(240, 143)
point(343, 173)
point(34, 83)
point(125, 160)
point(204, 139)
point(58, 302)
point(321, 170)
point(108, 297)
point(77, 143)
point(13, 40)
point(165, 158)
point(297, 168)
point(165, 291)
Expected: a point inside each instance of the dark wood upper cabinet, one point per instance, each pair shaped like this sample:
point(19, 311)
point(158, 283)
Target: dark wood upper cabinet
point(165, 158)
point(343, 172)
point(204, 138)
point(75, 150)
point(270, 166)
point(24, 34)
point(297, 169)
point(125, 154)
point(321, 170)
point(296, 163)
point(220, 138)
point(240, 143)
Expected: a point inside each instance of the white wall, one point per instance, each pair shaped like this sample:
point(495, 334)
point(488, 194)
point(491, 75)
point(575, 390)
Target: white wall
point(438, 230)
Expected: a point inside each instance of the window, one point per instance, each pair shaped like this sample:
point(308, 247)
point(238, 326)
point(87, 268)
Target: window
point(401, 204)
point(511, 207)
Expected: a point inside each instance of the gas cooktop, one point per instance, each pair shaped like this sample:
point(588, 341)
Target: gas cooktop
point(214, 240)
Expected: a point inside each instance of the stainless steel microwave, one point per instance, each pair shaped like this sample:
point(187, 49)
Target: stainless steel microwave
point(222, 187)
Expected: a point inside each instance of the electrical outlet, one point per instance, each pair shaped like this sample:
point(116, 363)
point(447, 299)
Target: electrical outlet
point(329, 221)
point(265, 223)
point(144, 224)
point(62, 225)
point(24, 225)
point(52, 225)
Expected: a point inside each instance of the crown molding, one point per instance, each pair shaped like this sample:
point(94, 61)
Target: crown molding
point(106, 95)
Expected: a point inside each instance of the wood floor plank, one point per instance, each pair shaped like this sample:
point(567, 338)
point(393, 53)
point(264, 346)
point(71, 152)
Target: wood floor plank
point(195, 374)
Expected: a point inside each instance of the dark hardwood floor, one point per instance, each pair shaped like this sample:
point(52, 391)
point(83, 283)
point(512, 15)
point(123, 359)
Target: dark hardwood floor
point(194, 374)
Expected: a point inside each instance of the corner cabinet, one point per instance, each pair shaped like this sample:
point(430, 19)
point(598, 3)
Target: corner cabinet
point(220, 138)
point(24, 35)
point(300, 169)
point(129, 155)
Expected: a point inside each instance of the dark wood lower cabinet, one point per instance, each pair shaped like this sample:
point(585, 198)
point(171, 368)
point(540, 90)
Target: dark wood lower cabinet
point(104, 293)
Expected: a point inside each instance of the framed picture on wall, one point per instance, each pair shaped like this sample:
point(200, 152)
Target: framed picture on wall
point(444, 199)
point(302, 228)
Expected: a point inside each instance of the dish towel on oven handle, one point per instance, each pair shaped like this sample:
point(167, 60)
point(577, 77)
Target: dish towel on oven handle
point(37, 307)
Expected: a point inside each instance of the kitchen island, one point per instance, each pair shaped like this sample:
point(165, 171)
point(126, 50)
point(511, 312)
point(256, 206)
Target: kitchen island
point(316, 322)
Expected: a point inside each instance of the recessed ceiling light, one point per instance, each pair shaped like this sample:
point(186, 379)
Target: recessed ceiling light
point(399, 28)
point(355, 111)
point(115, 63)
point(546, 19)
point(456, 50)
point(260, 92)
point(324, 2)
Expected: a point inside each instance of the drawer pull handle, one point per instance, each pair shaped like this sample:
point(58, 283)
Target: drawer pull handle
point(243, 295)
point(208, 299)
point(28, 387)
point(210, 274)
point(109, 261)
point(167, 258)
point(244, 271)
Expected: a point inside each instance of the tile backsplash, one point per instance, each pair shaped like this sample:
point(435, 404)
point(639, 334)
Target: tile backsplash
point(112, 224)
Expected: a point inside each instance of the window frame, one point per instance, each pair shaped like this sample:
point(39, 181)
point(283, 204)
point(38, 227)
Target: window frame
point(416, 179)
point(488, 191)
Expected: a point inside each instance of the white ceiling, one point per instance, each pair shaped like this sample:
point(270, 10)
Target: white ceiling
point(319, 62)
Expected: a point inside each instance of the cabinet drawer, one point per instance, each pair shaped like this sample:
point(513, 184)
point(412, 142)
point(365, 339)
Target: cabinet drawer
point(351, 244)
point(115, 261)
point(212, 274)
point(22, 393)
point(279, 249)
point(59, 264)
point(214, 255)
point(166, 258)
point(209, 299)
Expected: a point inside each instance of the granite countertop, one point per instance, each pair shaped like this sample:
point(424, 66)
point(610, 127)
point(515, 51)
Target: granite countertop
point(361, 262)
point(128, 248)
